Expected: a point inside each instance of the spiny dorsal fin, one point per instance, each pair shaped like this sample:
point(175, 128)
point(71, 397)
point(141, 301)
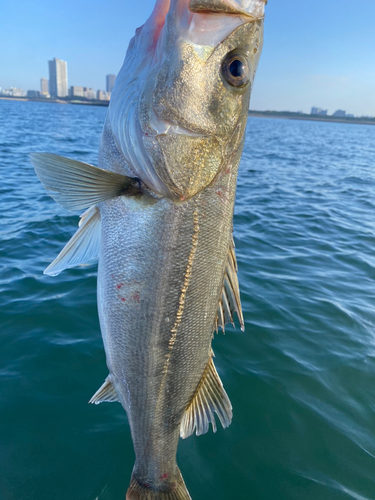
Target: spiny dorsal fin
point(83, 247)
point(230, 300)
point(76, 185)
point(105, 394)
point(210, 397)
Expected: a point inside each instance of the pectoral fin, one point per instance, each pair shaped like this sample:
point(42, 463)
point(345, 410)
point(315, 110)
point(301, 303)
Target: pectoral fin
point(210, 397)
point(230, 300)
point(83, 247)
point(78, 186)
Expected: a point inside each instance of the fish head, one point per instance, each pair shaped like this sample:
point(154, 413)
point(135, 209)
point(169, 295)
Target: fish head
point(181, 115)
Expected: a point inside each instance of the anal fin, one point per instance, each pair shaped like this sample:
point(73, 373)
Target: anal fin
point(230, 300)
point(105, 394)
point(210, 397)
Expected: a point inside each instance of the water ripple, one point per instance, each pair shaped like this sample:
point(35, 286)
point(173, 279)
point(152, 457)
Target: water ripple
point(301, 379)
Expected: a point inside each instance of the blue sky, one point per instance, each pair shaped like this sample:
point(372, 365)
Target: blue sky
point(316, 52)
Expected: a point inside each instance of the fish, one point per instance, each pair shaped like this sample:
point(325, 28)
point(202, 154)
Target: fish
point(158, 216)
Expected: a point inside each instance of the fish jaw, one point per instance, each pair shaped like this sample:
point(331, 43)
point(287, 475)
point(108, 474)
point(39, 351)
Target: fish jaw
point(250, 8)
point(175, 119)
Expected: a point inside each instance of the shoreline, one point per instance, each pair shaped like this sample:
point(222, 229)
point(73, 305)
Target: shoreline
point(281, 115)
point(284, 115)
point(55, 101)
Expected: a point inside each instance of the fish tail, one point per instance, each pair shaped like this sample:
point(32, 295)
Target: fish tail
point(175, 490)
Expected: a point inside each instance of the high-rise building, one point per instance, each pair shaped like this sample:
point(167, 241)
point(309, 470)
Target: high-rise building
point(58, 78)
point(110, 82)
point(44, 86)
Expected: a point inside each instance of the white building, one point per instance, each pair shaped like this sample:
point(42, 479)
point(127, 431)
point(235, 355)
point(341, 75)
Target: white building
point(75, 91)
point(13, 92)
point(44, 86)
point(89, 93)
point(103, 96)
point(58, 78)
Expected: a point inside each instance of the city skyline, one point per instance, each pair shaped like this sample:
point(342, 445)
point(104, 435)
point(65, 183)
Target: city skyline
point(59, 89)
point(56, 87)
point(316, 53)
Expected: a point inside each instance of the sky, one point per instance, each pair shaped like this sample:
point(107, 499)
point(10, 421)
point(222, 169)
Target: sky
point(316, 52)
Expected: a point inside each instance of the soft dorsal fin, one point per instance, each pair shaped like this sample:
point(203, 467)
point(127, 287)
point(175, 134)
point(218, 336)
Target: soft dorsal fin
point(230, 300)
point(83, 247)
point(210, 397)
point(105, 394)
point(78, 186)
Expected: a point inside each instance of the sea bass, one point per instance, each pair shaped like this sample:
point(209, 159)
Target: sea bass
point(160, 210)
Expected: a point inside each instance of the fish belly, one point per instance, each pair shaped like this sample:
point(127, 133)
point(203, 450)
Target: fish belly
point(160, 277)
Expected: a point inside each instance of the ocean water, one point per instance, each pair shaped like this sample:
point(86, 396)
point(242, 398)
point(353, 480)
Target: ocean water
point(301, 378)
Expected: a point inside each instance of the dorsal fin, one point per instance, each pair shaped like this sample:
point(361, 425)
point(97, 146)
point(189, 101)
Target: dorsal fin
point(210, 397)
point(230, 300)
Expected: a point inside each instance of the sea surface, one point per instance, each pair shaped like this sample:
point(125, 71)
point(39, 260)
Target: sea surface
point(301, 378)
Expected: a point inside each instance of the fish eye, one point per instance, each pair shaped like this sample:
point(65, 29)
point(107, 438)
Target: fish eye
point(236, 70)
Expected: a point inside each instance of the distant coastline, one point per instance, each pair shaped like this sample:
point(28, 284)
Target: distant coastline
point(290, 115)
point(86, 102)
point(285, 115)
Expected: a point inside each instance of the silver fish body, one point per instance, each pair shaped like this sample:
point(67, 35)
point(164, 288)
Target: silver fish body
point(157, 311)
point(161, 216)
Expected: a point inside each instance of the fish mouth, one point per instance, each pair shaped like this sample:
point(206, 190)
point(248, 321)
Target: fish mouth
point(254, 11)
